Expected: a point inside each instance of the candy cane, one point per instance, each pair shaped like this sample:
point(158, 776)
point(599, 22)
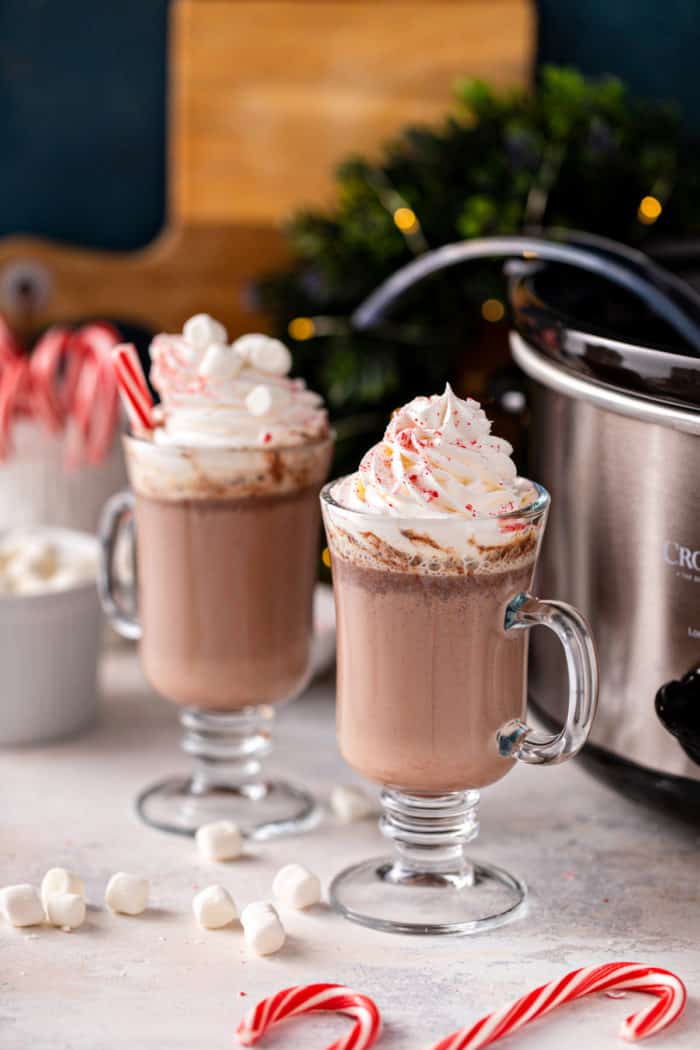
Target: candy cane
point(44, 367)
point(133, 387)
point(73, 382)
point(670, 1002)
point(310, 998)
point(67, 379)
point(12, 385)
point(94, 395)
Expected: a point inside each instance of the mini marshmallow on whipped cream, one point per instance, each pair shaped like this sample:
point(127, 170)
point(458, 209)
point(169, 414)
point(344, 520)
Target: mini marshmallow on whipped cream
point(232, 395)
point(36, 561)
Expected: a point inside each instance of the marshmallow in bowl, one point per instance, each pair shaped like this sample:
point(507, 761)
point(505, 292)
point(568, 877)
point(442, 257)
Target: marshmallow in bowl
point(296, 887)
point(36, 561)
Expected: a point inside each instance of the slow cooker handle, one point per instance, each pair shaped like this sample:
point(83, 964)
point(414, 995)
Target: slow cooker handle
point(375, 308)
point(515, 739)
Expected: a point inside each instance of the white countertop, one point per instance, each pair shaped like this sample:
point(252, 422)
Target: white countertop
point(609, 880)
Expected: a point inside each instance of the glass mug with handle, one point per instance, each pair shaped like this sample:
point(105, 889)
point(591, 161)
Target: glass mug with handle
point(432, 692)
point(224, 545)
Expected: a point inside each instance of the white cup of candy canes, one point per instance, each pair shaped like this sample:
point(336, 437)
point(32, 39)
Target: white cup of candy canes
point(60, 456)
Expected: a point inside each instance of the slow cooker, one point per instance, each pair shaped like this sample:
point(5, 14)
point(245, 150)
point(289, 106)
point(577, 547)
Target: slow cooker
point(610, 345)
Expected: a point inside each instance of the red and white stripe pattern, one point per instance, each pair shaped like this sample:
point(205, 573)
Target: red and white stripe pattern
point(66, 383)
point(95, 384)
point(668, 990)
point(133, 387)
point(311, 998)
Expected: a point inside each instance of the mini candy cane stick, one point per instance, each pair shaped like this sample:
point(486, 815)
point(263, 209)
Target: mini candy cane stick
point(670, 1002)
point(133, 387)
point(310, 998)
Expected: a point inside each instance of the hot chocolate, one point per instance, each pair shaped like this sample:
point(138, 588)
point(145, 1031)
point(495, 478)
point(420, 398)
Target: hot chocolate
point(433, 544)
point(227, 520)
point(427, 673)
point(226, 596)
point(225, 474)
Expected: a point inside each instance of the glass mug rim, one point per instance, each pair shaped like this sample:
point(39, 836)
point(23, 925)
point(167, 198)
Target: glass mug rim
point(226, 450)
point(534, 510)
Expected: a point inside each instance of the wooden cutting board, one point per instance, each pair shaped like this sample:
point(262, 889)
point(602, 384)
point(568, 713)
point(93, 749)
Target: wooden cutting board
point(266, 96)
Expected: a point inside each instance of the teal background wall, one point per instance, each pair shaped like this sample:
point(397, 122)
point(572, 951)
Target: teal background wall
point(653, 45)
point(82, 100)
point(82, 103)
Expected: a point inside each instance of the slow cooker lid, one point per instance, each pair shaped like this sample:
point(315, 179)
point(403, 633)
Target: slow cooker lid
point(603, 333)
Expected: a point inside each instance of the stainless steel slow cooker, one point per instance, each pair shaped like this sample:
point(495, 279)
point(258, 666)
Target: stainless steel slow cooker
point(615, 436)
point(610, 344)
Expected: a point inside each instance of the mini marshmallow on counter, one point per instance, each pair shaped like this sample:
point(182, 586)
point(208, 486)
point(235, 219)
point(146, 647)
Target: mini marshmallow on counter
point(21, 905)
point(221, 840)
point(263, 931)
point(66, 910)
point(296, 887)
point(127, 894)
point(214, 907)
point(60, 881)
point(351, 803)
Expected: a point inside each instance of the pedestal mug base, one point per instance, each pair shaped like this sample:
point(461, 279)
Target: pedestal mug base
point(226, 783)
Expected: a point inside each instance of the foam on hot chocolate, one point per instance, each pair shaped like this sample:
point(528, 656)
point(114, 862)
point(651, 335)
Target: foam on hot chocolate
point(439, 494)
point(217, 395)
point(172, 474)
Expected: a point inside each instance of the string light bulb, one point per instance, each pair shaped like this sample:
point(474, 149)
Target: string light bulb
point(326, 557)
point(492, 310)
point(649, 210)
point(301, 329)
point(406, 220)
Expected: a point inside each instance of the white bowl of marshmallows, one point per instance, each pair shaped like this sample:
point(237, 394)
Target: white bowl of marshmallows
point(50, 627)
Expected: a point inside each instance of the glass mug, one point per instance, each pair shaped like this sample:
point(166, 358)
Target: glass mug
point(432, 620)
point(223, 544)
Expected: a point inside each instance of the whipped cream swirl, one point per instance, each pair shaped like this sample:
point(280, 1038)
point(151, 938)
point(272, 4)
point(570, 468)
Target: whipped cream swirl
point(437, 458)
point(236, 396)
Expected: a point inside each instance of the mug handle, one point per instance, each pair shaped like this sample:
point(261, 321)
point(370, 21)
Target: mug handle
point(117, 516)
point(516, 739)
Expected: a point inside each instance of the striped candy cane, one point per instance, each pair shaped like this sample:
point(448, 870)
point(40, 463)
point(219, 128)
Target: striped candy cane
point(73, 386)
point(668, 990)
point(133, 387)
point(94, 393)
point(310, 998)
